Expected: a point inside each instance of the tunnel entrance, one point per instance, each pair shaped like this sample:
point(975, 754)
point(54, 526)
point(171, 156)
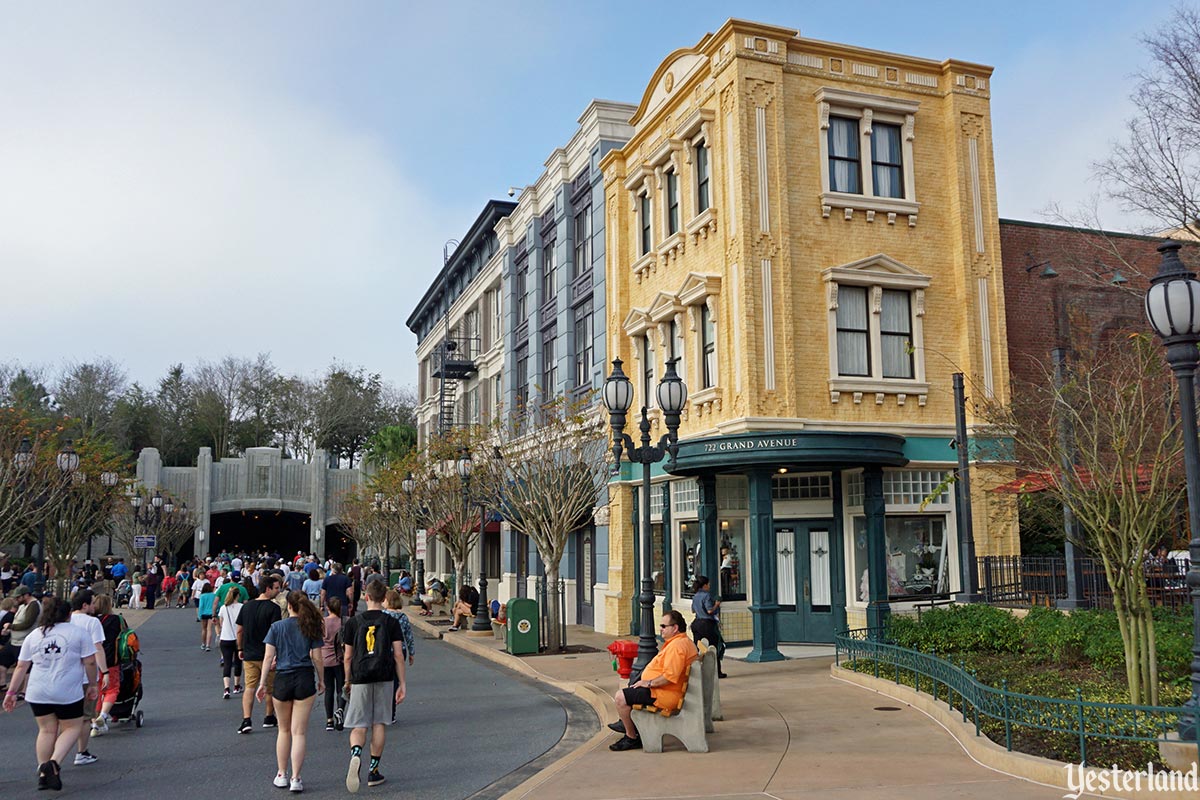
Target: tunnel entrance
point(281, 532)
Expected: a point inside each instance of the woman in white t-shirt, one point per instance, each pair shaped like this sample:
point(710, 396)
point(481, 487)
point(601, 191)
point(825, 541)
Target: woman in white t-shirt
point(226, 619)
point(58, 660)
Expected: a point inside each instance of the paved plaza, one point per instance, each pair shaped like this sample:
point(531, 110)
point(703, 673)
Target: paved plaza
point(465, 725)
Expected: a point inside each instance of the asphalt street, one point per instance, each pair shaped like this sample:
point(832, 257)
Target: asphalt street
point(464, 725)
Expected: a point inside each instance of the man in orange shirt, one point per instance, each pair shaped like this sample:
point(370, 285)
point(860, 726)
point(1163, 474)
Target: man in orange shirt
point(662, 681)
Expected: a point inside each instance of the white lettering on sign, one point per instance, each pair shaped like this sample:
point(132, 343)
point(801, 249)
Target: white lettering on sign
point(751, 444)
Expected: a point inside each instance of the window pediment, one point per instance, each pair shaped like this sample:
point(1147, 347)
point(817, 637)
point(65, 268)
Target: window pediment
point(664, 307)
point(637, 322)
point(879, 269)
point(698, 286)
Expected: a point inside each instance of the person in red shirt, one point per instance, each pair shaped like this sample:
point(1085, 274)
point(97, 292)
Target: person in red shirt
point(662, 681)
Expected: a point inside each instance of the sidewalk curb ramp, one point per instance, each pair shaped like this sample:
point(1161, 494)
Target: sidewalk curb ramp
point(983, 750)
point(594, 697)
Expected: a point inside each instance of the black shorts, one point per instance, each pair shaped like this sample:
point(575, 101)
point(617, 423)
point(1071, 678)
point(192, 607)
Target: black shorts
point(66, 711)
point(294, 684)
point(638, 696)
point(206, 617)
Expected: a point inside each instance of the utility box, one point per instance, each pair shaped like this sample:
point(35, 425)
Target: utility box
point(521, 635)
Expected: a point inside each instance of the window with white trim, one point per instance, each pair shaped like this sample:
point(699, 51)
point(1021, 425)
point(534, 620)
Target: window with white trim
point(645, 220)
point(708, 347)
point(676, 351)
point(866, 152)
point(685, 497)
point(876, 331)
point(672, 191)
point(703, 200)
point(549, 274)
point(583, 243)
point(648, 364)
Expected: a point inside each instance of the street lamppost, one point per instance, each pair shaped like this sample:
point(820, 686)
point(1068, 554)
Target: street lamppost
point(109, 479)
point(409, 484)
point(1173, 308)
point(68, 464)
point(618, 397)
point(24, 460)
point(482, 621)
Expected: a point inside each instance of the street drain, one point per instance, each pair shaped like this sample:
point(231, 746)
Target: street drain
point(887, 708)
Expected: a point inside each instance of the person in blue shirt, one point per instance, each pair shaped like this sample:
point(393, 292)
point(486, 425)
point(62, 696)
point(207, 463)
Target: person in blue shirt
point(312, 586)
point(206, 609)
point(119, 570)
point(293, 649)
point(30, 579)
point(295, 581)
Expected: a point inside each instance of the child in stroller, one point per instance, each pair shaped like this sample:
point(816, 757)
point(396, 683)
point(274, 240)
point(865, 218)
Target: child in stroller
point(123, 593)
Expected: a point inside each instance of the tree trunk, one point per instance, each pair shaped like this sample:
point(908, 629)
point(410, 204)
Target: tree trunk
point(460, 575)
point(553, 610)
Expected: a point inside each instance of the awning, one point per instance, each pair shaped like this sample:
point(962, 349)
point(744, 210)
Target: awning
point(1042, 480)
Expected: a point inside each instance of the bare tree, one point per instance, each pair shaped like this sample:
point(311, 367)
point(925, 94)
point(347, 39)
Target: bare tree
point(1110, 422)
point(30, 481)
point(172, 524)
point(1155, 170)
point(89, 391)
point(440, 494)
point(218, 390)
point(550, 471)
point(81, 510)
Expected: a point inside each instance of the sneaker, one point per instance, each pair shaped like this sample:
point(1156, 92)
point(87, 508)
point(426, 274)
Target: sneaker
point(339, 719)
point(43, 776)
point(246, 727)
point(53, 778)
point(617, 726)
point(329, 724)
point(270, 721)
point(280, 780)
point(100, 725)
point(352, 774)
point(297, 785)
point(625, 743)
point(84, 757)
point(225, 695)
point(375, 777)
point(237, 689)
point(452, 628)
point(202, 648)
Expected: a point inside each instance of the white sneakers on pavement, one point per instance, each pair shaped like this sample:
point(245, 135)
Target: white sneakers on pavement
point(297, 785)
point(84, 758)
point(352, 777)
point(281, 780)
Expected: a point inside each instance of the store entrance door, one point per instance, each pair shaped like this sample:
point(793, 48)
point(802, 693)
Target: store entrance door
point(585, 571)
point(809, 555)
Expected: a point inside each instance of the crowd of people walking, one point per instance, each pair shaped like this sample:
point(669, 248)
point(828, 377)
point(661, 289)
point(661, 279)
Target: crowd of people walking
point(287, 631)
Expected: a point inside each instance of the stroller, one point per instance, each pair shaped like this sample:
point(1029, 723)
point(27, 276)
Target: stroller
point(129, 696)
point(123, 593)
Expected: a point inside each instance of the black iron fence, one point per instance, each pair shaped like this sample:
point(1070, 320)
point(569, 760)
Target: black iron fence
point(1042, 581)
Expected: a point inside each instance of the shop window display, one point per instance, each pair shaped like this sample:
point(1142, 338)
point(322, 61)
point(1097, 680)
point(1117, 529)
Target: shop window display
point(689, 556)
point(916, 557)
point(733, 547)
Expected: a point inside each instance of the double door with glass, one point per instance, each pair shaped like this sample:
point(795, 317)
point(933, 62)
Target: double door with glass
point(811, 585)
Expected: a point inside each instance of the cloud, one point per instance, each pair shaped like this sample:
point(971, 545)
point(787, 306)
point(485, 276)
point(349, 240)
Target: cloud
point(164, 201)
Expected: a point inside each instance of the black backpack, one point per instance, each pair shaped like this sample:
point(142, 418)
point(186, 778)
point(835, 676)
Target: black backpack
point(372, 660)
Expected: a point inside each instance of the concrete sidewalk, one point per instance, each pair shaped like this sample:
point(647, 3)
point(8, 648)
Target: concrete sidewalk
point(790, 731)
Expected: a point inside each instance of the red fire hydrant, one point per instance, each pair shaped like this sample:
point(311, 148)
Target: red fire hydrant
point(625, 652)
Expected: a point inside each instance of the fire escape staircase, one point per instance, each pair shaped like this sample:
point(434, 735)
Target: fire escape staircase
point(454, 361)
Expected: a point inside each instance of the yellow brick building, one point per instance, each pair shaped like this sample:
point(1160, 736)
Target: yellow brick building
point(811, 229)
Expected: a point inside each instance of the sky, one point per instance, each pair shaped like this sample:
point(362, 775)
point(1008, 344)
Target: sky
point(189, 180)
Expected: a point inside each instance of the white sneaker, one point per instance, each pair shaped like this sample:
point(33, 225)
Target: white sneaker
point(100, 725)
point(352, 777)
point(82, 759)
point(297, 785)
point(281, 780)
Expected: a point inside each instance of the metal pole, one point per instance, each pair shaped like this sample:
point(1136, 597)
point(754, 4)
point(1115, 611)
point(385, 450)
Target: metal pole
point(1074, 567)
point(1183, 359)
point(647, 640)
point(483, 619)
point(969, 591)
point(41, 562)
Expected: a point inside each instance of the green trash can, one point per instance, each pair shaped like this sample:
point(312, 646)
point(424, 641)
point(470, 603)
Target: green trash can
point(521, 633)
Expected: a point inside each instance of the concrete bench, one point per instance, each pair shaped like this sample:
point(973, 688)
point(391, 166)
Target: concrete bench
point(691, 720)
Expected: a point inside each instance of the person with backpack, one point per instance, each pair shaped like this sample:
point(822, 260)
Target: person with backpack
point(110, 681)
point(292, 652)
point(331, 659)
point(253, 622)
point(373, 660)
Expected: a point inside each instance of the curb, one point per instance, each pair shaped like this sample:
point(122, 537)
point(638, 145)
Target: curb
point(982, 750)
point(600, 702)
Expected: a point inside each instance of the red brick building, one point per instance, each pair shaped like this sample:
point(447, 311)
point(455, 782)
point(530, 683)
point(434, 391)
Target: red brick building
point(1070, 287)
